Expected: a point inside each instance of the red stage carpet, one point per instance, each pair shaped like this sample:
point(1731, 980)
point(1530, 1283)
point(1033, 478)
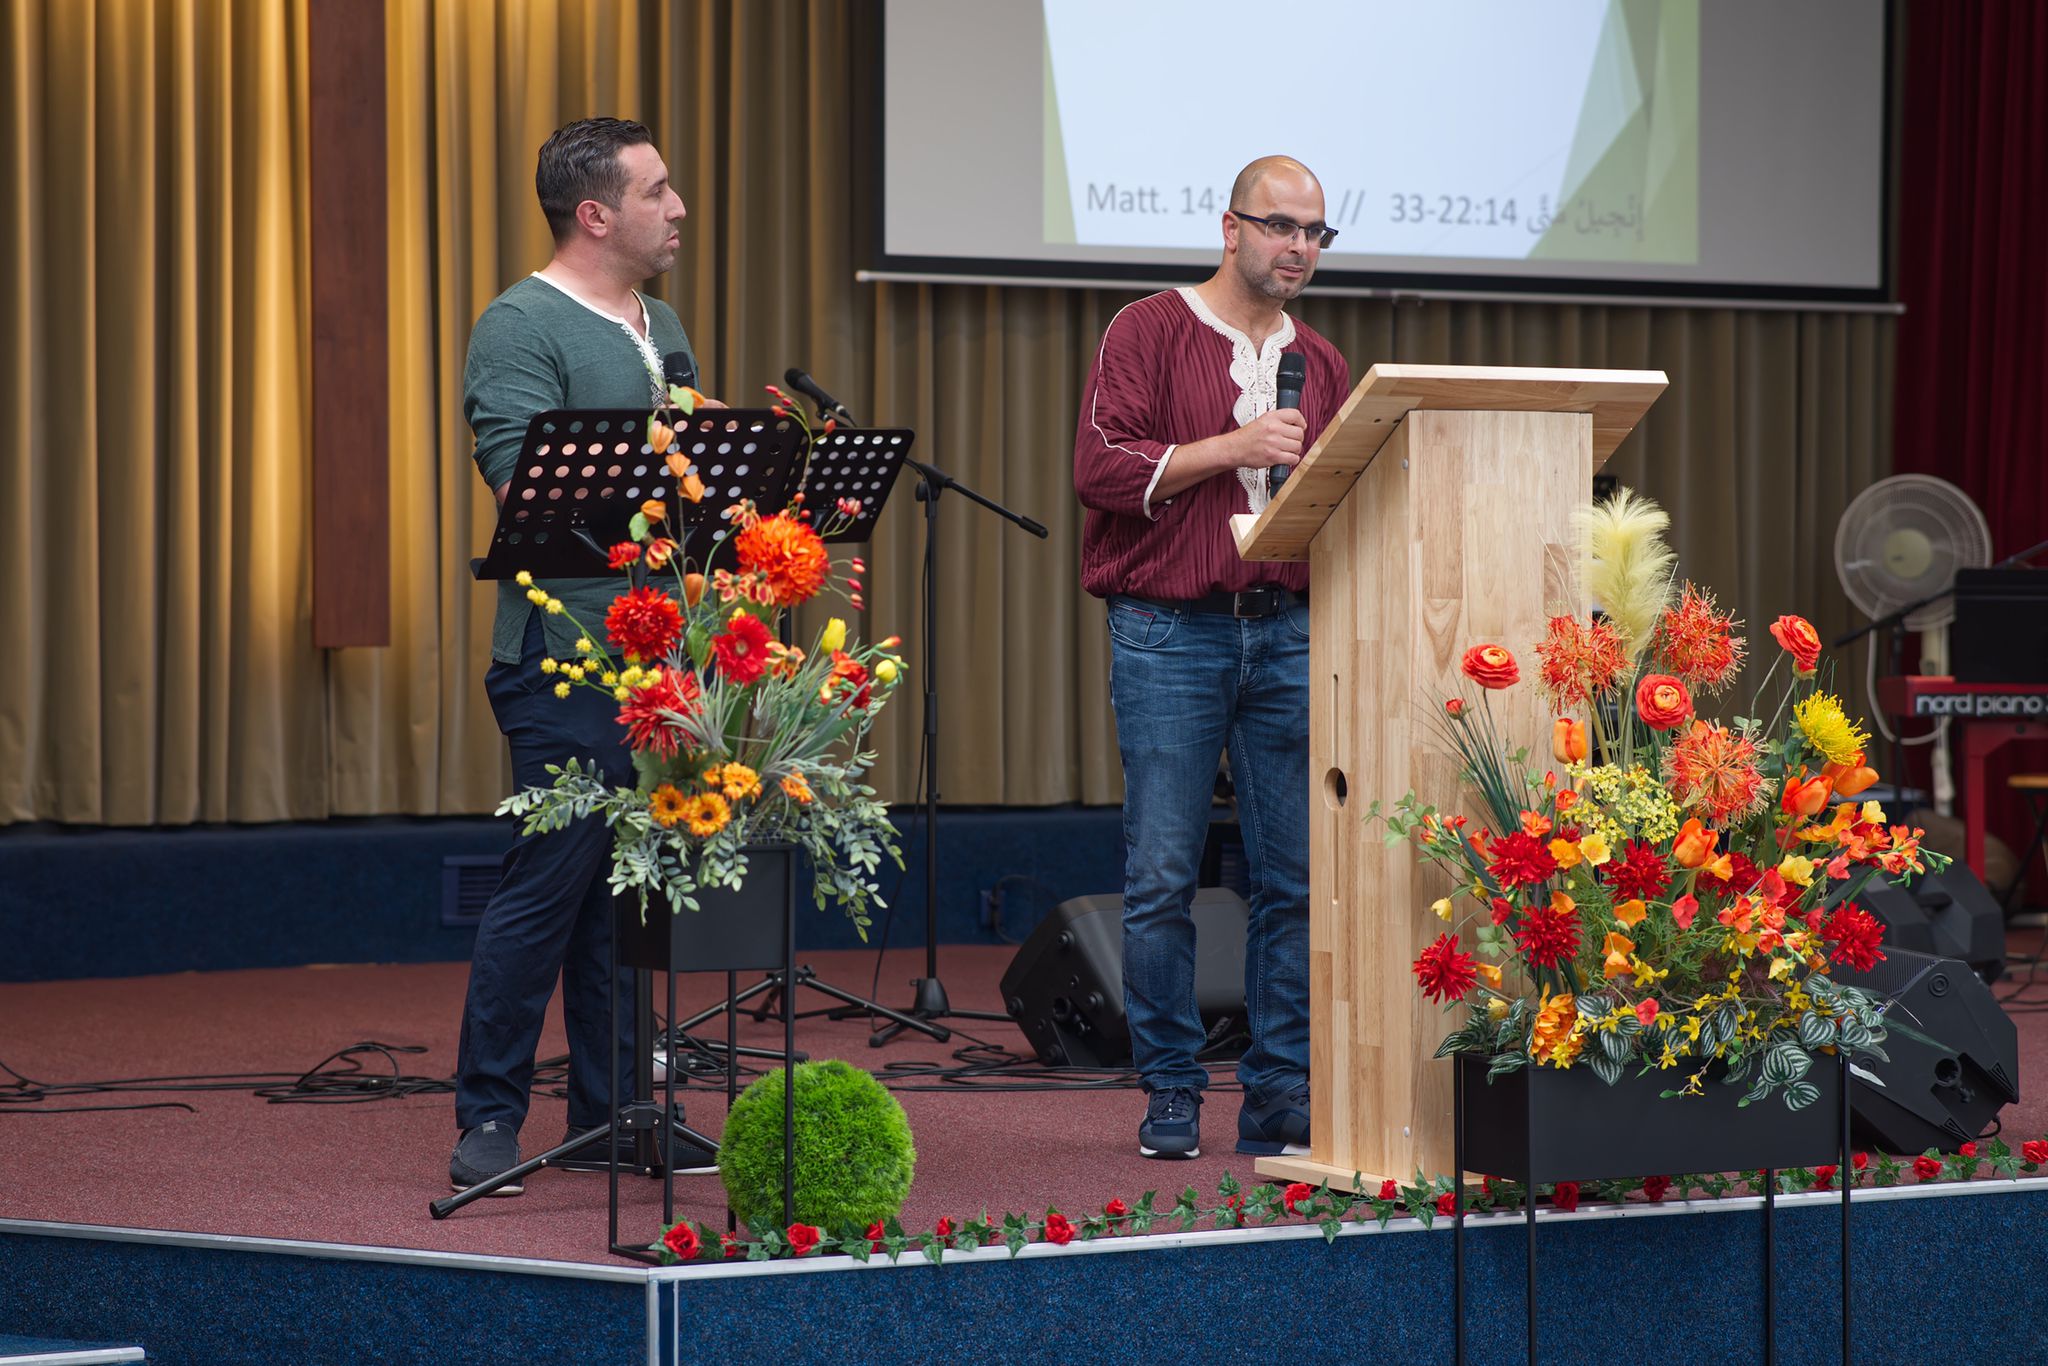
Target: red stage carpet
point(363, 1173)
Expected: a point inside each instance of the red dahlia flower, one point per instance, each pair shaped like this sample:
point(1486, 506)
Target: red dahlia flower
point(645, 623)
point(1445, 974)
point(1520, 859)
point(1854, 934)
point(1640, 874)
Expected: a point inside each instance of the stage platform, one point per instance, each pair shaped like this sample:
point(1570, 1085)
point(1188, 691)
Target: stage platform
point(249, 1231)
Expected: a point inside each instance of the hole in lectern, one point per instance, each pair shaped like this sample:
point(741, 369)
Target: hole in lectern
point(1336, 789)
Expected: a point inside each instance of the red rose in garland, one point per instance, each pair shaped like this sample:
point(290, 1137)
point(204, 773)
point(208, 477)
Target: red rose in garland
point(682, 1241)
point(645, 623)
point(1491, 667)
point(802, 1238)
point(1057, 1229)
point(1565, 1195)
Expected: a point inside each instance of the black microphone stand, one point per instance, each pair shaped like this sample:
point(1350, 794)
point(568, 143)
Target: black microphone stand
point(929, 1002)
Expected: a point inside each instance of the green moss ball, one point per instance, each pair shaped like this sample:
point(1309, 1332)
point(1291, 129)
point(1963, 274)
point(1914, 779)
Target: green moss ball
point(854, 1156)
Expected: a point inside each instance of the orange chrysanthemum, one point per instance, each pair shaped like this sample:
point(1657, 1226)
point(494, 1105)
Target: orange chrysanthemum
point(797, 790)
point(788, 555)
point(1712, 770)
point(1580, 660)
point(1696, 641)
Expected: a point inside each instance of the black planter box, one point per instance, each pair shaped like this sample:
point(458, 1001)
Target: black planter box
point(1542, 1124)
point(732, 931)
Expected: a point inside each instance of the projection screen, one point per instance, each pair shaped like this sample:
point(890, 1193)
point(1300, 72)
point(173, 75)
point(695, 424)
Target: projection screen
point(1658, 148)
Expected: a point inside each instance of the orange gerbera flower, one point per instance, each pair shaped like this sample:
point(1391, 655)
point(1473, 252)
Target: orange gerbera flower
point(1713, 771)
point(707, 813)
point(788, 555)
point(666, 805)
point(797, 790)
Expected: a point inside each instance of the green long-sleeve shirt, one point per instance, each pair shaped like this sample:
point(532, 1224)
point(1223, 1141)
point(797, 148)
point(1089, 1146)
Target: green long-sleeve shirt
point(535, 348)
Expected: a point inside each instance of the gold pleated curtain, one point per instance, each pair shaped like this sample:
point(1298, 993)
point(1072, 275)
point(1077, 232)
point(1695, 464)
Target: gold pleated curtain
point(163, 666)
point(154, 594)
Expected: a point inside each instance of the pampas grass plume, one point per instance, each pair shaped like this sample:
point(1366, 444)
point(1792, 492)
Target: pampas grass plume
point(1626, 566)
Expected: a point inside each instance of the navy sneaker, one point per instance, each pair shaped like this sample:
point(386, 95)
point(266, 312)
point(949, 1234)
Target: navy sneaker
point(483, 1152)
point(1173, 1123)
point(692, 1158)
point(1275, 1125)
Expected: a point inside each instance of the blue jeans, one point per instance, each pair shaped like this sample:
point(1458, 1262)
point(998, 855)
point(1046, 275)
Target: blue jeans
point(550, 917)
point(1186, 686)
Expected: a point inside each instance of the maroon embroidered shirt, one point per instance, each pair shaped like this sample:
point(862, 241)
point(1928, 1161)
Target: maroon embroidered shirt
point(1170, 372)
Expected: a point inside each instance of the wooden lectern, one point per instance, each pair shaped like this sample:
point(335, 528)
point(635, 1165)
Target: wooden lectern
point(1435, 514)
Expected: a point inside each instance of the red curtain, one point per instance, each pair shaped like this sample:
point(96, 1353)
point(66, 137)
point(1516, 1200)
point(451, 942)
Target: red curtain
point(1973, 275)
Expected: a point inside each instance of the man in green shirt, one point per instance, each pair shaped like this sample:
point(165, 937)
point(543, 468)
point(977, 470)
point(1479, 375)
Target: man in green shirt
point(574, 334)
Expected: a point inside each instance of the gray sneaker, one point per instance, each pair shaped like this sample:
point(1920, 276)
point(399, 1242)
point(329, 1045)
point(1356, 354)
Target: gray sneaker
point(483, 1153)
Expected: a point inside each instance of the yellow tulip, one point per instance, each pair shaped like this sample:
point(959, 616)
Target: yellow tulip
point(1442, 907)
point(833, 637)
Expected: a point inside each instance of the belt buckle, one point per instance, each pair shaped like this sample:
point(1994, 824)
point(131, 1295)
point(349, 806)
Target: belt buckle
point(1251, 604)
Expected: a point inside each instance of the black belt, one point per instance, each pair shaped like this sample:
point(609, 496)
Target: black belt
point(1251, 602)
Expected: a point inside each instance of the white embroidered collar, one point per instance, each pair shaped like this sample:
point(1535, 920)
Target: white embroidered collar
point(1256, 372)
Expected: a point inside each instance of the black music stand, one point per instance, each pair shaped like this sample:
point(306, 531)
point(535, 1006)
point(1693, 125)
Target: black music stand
point(862, 466)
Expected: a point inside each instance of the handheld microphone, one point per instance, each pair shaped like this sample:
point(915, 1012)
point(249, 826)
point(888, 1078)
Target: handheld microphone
point(801, 381)
point(678, 369)
point(1293, 373)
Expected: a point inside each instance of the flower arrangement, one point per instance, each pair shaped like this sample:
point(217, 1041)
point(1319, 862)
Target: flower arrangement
point(738, 738)
point(1672, 895)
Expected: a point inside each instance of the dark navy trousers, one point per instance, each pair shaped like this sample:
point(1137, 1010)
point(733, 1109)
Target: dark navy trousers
point(550, 916)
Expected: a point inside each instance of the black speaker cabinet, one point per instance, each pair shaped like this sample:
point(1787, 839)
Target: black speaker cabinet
point(1949, 914)
point(1951, 1074)
point(1065, 987)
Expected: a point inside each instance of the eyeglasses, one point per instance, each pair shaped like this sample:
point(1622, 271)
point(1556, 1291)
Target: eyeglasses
point(1283, 230)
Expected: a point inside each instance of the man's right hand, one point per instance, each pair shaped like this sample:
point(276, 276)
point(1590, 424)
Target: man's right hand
point(1275, 438)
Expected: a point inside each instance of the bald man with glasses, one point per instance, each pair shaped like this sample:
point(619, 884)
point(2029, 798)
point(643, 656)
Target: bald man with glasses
point(1179, 429)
